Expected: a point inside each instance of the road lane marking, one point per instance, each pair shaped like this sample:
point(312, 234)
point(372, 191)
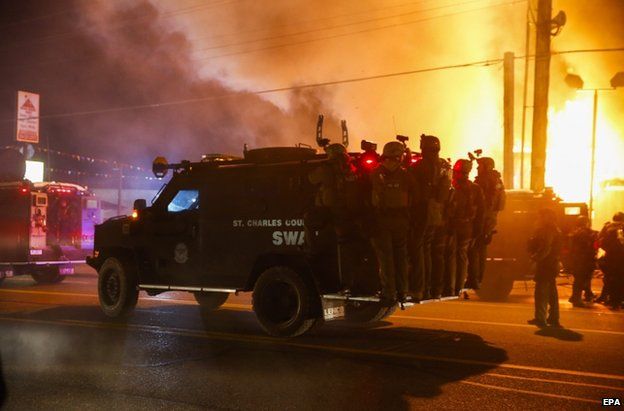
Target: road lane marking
point(249, 307)
point(451, 320)
point(246, 338)
point(537, 393)
point(47, 293)
point(581, 384)
point(564, 305)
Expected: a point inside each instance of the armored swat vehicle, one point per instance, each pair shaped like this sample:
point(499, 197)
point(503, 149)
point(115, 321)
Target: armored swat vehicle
point(508, 260)
point(228, 225)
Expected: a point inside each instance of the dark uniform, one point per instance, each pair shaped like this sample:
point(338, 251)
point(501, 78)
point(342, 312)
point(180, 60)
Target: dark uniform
point(545, 249)
point(338, 206)
point(611, 240)
point(465, 222)
point(427, 235)
point(392, 192)
point(494, 201)
point(582, 260)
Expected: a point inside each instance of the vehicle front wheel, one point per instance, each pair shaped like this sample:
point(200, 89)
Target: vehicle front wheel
point(209, 301)
point(47, 275)
point(285, 302)
point(117, 288)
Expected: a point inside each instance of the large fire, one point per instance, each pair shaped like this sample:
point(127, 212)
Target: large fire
point(568, 161)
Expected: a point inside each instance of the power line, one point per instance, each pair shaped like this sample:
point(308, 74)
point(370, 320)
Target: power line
point(303, 22)
point(340, 25)
point(576, 51)
point(483, 63)
point(60, 61)
point(355, 32)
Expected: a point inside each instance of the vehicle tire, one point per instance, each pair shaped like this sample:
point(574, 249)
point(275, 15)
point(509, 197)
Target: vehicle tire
point(209, 301)
point(368, 312)
point(47, 275)
point(284, 302)
point(117, 288)
point(496, 286)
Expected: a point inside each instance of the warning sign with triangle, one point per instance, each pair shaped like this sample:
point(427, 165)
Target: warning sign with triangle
point(28, 105)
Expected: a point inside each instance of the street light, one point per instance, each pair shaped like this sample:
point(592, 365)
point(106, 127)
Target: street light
point(576, 82)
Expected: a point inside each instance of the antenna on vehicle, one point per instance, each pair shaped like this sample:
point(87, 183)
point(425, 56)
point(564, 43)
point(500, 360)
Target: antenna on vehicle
point(345, 133)
point(322, 142)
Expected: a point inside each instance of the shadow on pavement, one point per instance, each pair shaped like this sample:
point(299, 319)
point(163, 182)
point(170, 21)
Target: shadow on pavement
point(227, 359)
point(562, 334)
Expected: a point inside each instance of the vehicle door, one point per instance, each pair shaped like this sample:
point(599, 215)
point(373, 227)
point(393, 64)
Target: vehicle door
point(174, 238)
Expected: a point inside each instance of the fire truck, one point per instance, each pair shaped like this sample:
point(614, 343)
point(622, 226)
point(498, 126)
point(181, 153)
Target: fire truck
point(45, 228)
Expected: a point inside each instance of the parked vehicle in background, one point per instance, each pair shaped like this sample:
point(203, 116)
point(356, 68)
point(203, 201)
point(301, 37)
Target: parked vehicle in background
point(508, 259)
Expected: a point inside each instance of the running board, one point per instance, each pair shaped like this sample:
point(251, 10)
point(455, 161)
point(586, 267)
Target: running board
point(375, 299)
point(182, 288)
point(56, 262)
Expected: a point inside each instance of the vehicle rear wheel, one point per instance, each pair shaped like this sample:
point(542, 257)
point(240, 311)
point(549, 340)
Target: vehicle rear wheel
point(117, 288)
point(209, 301)
point(47, 275)
point(496, 286)
point(368, 312)
point(284, 302)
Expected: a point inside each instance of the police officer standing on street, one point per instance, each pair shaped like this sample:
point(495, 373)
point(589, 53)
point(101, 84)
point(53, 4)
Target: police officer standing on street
point(582, 260)
point(338, 206)
point(465, 222)
point(611, 240)
point(426, 242)
point(392, 193)
point(493, 190)
point(545, 249)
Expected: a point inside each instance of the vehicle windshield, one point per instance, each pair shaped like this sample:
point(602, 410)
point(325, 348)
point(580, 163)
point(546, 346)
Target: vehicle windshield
point(184, 200)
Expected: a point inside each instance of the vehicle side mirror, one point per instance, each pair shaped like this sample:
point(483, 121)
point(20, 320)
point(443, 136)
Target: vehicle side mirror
point(140, 204)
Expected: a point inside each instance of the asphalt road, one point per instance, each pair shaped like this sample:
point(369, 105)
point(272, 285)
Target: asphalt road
point(59, 352)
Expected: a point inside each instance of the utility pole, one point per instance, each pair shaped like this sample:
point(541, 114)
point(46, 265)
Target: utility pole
point(540, 94)
point(508, 120)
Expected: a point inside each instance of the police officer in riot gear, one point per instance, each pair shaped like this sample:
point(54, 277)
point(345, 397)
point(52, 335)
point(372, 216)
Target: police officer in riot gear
point(465, 222)
point(582, 259)
point(545, 249)
point(494, 201)
point(426, 245)
point(611, 240)
point(392, 192)
point(338, 206)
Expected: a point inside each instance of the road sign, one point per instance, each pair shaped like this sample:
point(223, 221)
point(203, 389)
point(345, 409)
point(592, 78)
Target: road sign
point(27, 117)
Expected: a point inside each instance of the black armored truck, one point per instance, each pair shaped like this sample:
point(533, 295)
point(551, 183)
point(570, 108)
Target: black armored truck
point(228, 225)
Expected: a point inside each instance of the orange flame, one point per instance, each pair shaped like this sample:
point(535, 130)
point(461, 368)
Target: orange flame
point(568, 161)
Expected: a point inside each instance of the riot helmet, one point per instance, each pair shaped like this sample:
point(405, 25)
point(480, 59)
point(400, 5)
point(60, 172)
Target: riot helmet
point(393, 149)
point(429, 143)
point(336, 152)
point(461, 171)
point(429, 146)
point(485, 164)
point(392, 155)
point(462, 166)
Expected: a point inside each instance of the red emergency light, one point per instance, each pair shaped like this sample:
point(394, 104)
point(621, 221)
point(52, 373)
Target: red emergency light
point(369, 161)
point(24, 190)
